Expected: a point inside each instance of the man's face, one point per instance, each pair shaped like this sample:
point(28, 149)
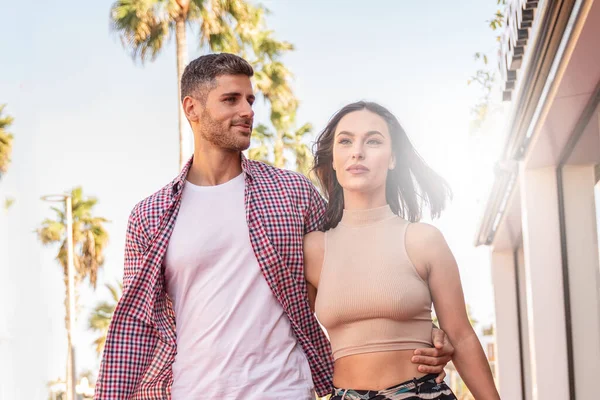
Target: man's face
point(226, 118)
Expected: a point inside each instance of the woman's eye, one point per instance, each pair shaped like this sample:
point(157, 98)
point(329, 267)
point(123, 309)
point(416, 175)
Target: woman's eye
point(344, 141)
point(374, 142)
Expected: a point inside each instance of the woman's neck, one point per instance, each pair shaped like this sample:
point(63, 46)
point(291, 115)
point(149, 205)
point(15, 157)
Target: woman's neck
point(364, 200)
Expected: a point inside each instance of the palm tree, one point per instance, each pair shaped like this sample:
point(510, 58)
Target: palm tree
point(5, 141)
point(233, 26)
point(89, 240)
point(102, 314)
point(273, 80)
point(274, 146)
point(296, 143)
point(269, 145)
point(262, 136)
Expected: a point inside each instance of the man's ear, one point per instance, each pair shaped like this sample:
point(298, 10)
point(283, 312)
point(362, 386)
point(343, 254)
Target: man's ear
point(191, 108)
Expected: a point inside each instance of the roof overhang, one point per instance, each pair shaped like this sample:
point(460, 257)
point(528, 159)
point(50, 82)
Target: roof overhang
point(555, 29)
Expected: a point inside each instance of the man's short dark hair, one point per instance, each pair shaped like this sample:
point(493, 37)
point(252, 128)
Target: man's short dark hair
point(199, 77)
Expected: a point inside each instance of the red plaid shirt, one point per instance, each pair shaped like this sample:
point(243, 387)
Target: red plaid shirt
point(281, 206)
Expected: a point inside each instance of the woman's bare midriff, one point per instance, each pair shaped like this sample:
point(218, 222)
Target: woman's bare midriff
point(375, 371)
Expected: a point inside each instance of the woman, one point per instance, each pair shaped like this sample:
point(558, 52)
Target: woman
point(375, 271)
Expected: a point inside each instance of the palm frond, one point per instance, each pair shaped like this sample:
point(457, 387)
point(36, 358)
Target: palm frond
point(51, 231)
point(6, 141)
point(259, 153)
point(115, 290)
point(99, 319)
point(90, 238)
point(261, 137)
point(5, 121)
point(100, 342)
point(143, 25)
point(267, 46)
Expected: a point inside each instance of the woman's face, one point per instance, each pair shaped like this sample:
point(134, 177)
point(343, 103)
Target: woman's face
point(362, 152)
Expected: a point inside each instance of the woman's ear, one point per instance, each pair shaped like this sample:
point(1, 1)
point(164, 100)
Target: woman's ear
point(392, 163)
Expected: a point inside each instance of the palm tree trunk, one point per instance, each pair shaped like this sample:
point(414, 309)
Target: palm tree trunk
point(70, 376)
point(279, 160)
point(181, 40)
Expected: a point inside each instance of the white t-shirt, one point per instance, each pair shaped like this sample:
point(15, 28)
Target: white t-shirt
point(234, 341)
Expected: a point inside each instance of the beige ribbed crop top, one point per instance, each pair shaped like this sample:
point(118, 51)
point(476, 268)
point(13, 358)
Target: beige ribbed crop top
point(370, 296)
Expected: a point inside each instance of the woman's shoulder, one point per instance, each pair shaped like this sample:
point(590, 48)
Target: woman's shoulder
point(423, 241)
point(424, 232)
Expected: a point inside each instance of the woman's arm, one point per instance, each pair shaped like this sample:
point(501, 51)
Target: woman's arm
point(314, 250)
point(448, 300)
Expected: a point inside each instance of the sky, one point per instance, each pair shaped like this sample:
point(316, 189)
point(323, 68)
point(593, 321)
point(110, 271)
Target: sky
point(86, 114)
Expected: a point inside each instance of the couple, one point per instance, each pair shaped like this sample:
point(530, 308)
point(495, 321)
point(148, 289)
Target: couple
point(226, 267)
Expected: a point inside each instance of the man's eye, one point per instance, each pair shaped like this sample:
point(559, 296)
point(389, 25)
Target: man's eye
point(230, 99)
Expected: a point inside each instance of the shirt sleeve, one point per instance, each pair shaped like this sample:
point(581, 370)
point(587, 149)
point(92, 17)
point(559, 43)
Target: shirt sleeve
point(130, 343)
point(134, 248)
point(315, 215)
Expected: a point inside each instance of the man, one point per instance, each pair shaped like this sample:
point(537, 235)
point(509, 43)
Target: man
point(214, 301)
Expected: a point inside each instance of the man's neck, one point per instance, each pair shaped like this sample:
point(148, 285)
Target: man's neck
point(214, 166)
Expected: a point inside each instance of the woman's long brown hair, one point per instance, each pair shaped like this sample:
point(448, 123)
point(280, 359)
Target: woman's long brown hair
point(409, 186)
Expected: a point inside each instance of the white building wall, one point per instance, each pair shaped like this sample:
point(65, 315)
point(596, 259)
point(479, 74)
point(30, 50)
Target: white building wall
point(508, 364)
point(584, 282)
point(544, 283)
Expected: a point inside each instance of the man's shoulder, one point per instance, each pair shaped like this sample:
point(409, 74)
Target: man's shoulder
point(283, 176)
point(154, 205)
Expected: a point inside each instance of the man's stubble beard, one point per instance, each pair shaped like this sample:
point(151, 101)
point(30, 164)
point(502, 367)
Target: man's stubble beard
point(214, 133)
